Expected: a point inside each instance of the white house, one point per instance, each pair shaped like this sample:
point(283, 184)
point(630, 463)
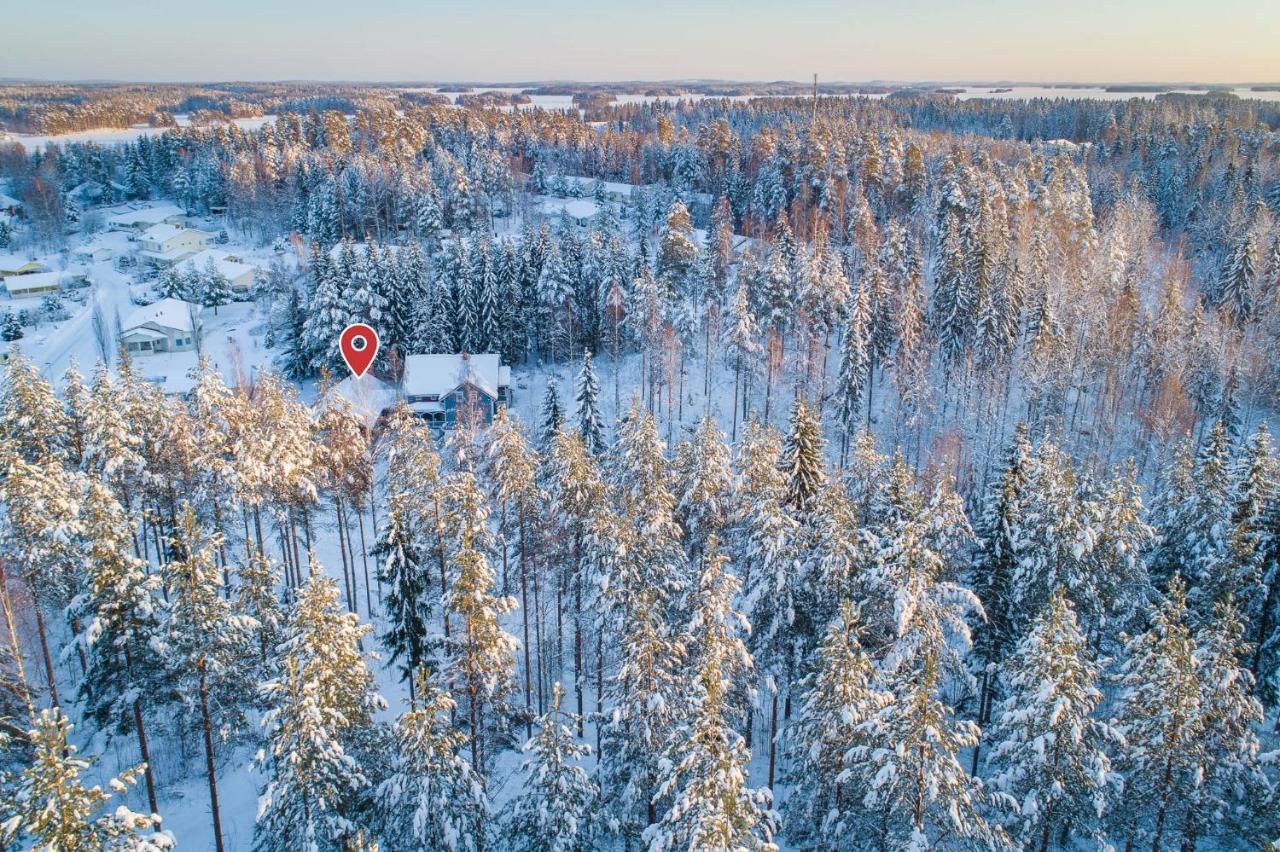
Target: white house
point(10, 205)
point(145, 217)
point(437, 386)
point(240, 274)
point(93, 254)
point(165, 245)
point(169, 325)
point(32, 285)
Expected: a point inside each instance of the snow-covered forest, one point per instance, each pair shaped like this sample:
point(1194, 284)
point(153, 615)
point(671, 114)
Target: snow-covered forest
point(882, 473)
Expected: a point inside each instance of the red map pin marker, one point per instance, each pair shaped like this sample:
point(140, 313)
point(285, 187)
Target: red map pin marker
point(359, 345)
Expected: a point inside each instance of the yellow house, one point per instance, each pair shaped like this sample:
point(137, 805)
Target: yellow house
point(16, 264)
point(165, 245)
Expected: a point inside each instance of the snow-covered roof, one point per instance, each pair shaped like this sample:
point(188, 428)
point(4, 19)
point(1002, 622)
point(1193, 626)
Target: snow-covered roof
point(577, 208)
point(163, 231)
point(436, 375)
point(368, 396)
point(14, 261)
point(32, 281)
point(170, 313)
point(146, 215)
point(7, 201)
point(230, 269)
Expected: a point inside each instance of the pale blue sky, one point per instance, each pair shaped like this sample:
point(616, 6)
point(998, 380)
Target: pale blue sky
point(1078, 40)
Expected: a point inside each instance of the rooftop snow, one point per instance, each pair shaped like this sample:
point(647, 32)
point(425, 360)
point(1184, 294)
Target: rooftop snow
point(170, 313)
point(436, 375)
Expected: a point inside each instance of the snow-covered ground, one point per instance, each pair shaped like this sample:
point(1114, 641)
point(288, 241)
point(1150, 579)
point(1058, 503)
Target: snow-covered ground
point(110, 135)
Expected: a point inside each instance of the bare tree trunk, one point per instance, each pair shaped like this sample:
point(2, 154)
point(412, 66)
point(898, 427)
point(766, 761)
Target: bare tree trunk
point(364, 559)
point(12, 628)
point(141, 729)
point(44, 646)
point(208, 759)
point(524, 612)
point(342, 551)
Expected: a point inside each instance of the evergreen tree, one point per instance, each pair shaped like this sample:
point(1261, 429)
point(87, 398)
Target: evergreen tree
point(838, 698)
point(55, 812)
point(552, 412)
point(321, 709)
point(587, 397)
point(802, 458)
point(431, 799)
point(1048, 756)
point(554, 810)
point(480, 662)
point(208, 647)
point(712, 807)
point(407, 605)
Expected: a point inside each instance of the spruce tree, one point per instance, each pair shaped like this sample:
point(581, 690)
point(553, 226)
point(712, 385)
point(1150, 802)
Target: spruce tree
point(555, 808)
point(431, 799)
point(587, 396)
point(208, 647)
point(802, 459)
point(1048, 757)
point(408, 602)
point(838, 697)
point(712, 806)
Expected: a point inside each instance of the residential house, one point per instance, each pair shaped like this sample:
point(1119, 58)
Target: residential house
point(145, 217)
point(437, 387)
point(169, 325)
point(10, 205)
point(240, 274)
point(18, 264)
point(164, 244)
point(33, 285)
point(93, 254)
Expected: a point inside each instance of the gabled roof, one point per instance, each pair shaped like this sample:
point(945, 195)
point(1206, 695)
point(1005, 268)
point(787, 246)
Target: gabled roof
point(163, 231)
point(169, 313)
point(436, 375)
point(32, 281)
point(230, 269)
point(146, 216)
point(7, 201)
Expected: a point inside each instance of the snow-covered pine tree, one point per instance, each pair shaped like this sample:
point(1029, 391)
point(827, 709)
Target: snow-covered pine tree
point(54, 811)
point(838, 697)
point(576, 493)
point(1048, 757)
point(1227, 803)
point(513, 467)
point(318, 728)
point(1159, 715)
point(587, 396)
point(802, 459)
point(711, 804)
point(121, 611)
point(328, 313)
point(996, 563)
point(431, 798)
point(208, 647)
point(855, 361)
point(555, 809)
point(480, 657)
point(215, 288)
point(704, 485)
